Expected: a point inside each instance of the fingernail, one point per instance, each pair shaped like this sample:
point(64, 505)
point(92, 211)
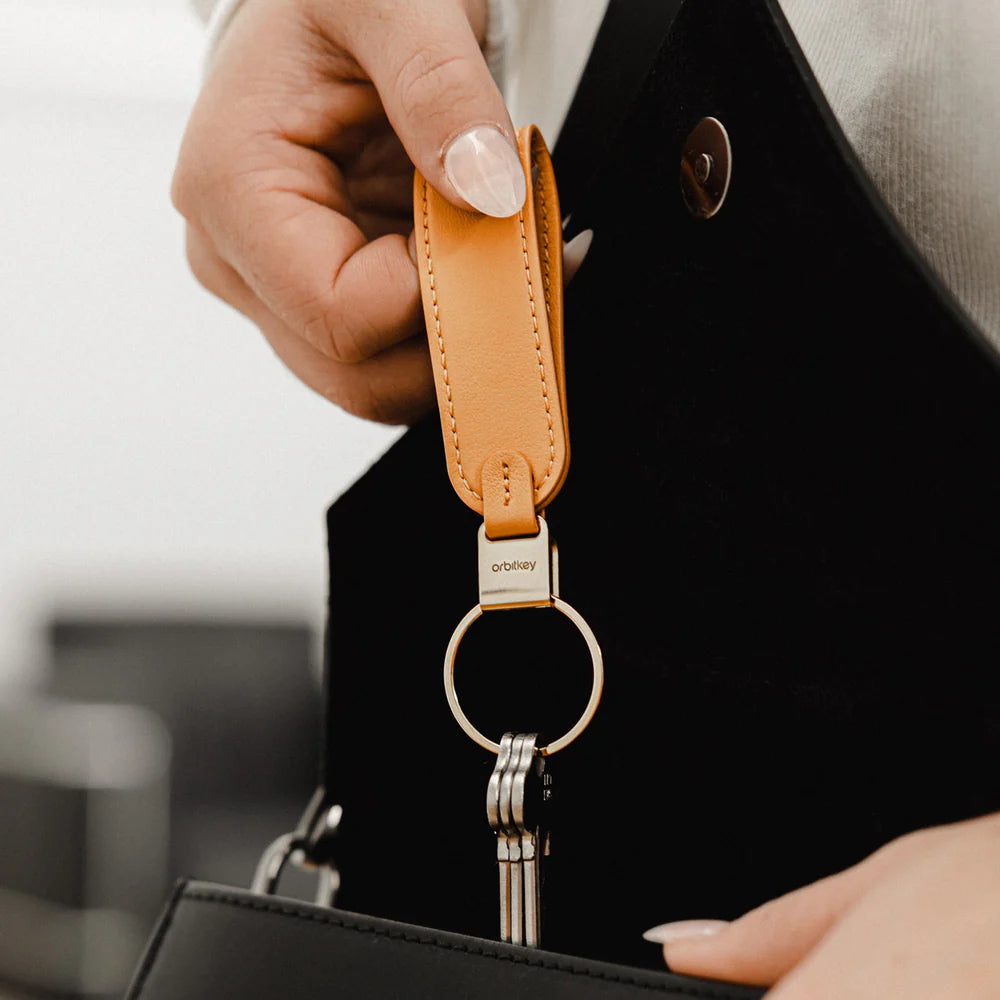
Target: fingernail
point(684, 929)
point(485, 170)
point(575, 251)
point(411, 246)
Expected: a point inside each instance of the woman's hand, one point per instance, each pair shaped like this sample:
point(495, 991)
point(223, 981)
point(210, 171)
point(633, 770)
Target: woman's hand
point(918, 920)
point(296, 171)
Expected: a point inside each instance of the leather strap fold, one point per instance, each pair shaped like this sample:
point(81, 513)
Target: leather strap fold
point(492, 296)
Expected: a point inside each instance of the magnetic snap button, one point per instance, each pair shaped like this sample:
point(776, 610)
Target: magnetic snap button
point(706, 165)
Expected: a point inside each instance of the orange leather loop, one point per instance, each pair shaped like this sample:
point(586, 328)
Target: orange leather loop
point(492, 295)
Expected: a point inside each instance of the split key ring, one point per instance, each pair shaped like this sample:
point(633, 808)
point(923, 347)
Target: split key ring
point(597, 662)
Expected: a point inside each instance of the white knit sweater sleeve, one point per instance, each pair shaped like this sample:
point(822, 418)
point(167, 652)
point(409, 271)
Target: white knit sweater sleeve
point(502, 22)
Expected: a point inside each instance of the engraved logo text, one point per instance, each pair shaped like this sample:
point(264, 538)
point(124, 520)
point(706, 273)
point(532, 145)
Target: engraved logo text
point(517, 564)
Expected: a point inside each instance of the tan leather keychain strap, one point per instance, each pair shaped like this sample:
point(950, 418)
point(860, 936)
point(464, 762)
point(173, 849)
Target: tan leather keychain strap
point(492, 295)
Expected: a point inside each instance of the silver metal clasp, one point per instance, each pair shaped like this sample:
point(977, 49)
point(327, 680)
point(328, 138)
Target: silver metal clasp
point(521, 573)
point(307, 846)
point(517, 572)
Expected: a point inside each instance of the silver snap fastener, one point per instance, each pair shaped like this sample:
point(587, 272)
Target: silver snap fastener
point(706, 163)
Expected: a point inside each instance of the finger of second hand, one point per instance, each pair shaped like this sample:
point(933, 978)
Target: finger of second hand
point(925, 930)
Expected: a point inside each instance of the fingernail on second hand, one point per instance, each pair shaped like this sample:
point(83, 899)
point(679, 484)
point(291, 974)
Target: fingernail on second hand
point(485, 170)
point(680, 930)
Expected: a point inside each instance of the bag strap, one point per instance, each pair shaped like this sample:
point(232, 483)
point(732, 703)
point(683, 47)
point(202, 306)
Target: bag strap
point(492, 294)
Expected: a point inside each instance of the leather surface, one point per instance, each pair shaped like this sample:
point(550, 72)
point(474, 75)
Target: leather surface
point(492, 295)
point(215, 943)
point(508, 496)
point(797, 607)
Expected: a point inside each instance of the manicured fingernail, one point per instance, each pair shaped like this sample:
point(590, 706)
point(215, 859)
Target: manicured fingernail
point(411, 245)
point(486, 171)
point(684, 929)
point(574, 252)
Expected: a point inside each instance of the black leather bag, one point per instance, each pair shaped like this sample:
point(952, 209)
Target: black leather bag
point(216, 942)
point(811, 422)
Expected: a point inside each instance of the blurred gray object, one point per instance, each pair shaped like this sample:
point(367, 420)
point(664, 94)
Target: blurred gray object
point(158, 749)
point(83, 832)
point(241, 702)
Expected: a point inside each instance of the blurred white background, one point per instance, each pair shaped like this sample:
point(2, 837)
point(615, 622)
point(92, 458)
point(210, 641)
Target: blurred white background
point(154, 454)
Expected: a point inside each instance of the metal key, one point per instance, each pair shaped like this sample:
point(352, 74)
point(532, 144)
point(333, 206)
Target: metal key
point(503, 851)
point(516, 790)
point(513, 837)
point(529, 812)
point(525, 801)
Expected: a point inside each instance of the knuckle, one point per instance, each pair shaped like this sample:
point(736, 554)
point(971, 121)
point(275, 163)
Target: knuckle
point(193, 167)
point(181, 193)
point(348, 321)
point(426, 82)
point(909, 845)
point(324, 328)
point(207, 172)
point(194, 179)
point(203, 272)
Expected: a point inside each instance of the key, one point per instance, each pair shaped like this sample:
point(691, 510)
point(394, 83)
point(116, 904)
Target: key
point(503, 850)
point(515, 794)
point(513, 835)
point(529, 790)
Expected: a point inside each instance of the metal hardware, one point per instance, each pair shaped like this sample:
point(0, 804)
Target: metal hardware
point(308, 846)
point(597, 665)
point(706, 165)
point(521, 573)
point(702, 168)
point(514, 795)
point(515, 572)
point(503, 848)
point(509, 830)
point(524, 807)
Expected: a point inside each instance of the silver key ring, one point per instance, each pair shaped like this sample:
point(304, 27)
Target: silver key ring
point(597, 661)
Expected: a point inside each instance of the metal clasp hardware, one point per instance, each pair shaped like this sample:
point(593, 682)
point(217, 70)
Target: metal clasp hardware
point(521, 573)
point(307, 846)
point(517, 572)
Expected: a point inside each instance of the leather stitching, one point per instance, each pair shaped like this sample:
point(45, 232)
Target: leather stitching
point(538, 353)
point(443, 357)
point(268, 905)
point(506, 484)
point(543, 205)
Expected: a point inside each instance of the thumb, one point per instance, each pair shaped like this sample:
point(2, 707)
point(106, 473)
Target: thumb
point(766, 943)
point(442, 102)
